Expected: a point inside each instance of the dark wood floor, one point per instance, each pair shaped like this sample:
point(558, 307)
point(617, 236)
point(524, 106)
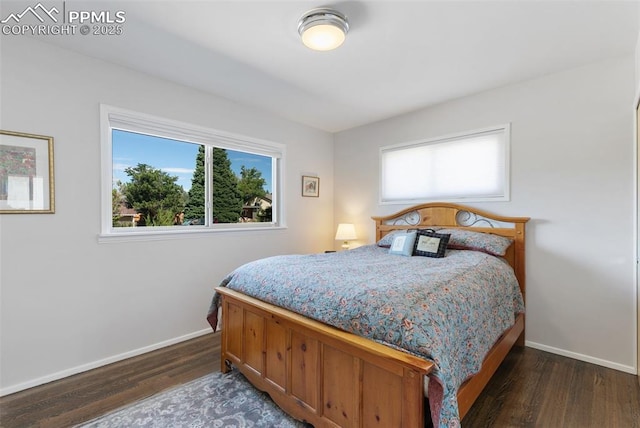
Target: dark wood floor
point(531, 389)
point(537, 389)
point(85, 396)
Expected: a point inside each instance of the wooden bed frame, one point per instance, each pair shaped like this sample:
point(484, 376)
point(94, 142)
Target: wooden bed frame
point(331, 378)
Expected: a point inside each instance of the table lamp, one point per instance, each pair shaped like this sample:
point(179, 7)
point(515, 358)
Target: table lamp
point(346, 232)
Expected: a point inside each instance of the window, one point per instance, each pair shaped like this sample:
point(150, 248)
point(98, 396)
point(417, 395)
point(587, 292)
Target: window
point(473, 166)
point(164, 177)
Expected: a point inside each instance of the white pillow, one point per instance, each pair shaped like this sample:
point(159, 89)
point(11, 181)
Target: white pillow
point(403, 243)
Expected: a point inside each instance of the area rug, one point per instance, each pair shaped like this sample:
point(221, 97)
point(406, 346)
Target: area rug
point(216, 400)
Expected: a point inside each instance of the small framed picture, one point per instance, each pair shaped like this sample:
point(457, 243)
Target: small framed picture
point(310, 186)
point(26, 173)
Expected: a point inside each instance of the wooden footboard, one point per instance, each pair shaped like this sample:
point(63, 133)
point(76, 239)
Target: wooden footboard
point(317, 373)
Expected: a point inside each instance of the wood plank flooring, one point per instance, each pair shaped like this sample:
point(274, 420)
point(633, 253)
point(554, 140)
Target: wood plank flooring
point(530, 389)
point(533, 388)
point(85, 396)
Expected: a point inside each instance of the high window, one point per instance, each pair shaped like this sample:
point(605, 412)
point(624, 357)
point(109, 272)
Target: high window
point(166, 177)
point(472, 166)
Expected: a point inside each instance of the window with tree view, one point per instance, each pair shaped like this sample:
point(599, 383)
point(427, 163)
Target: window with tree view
point(169, 182)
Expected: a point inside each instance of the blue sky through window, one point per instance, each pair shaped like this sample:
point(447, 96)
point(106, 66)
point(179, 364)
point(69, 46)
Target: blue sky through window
point(177, 158)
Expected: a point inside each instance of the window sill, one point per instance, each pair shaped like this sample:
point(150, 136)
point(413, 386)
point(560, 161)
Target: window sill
point(164, 235)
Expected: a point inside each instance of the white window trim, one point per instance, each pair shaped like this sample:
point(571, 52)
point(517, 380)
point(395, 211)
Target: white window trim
point(117, 118)
point(506, 128)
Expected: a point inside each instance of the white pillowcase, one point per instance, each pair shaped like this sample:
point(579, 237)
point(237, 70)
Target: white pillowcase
point(403, 243)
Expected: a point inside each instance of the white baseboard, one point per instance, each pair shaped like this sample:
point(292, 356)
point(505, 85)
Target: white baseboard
point(95, 364)
point(582, 357)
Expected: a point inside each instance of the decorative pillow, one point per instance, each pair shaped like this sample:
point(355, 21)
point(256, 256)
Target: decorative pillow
point(387, 239)
point(402, 244)
point(478, 241)
point(430, 244)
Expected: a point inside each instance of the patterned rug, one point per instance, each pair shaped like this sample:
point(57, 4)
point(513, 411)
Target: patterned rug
point(216, 400)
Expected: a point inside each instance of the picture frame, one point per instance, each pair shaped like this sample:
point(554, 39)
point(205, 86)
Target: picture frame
point(26, 173)
point(310, 186)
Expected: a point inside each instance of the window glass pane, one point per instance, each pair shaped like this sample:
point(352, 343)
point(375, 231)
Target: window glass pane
point(241, 187)
point(162, 182)
point(473, 166)
point(255, 185)
point(152, 178)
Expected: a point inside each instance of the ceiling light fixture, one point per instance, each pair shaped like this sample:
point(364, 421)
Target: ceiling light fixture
point(323, 29)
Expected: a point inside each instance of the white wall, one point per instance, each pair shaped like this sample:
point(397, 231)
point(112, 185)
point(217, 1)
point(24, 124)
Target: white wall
point(572, 172)
point(69, 303)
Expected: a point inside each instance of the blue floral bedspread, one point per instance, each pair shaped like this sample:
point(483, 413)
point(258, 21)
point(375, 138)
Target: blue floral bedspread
point(449, 310)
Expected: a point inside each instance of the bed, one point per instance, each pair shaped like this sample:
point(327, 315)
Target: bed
point(335, 364)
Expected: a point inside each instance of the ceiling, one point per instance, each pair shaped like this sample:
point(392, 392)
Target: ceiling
point(399, 56)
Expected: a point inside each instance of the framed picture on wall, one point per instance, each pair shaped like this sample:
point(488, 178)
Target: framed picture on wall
point(310, 186)
point(26, 173)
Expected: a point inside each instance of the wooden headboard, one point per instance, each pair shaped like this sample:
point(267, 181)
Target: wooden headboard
point(451, 215)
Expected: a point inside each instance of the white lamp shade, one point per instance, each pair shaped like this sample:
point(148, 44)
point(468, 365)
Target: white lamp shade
point(346, 232)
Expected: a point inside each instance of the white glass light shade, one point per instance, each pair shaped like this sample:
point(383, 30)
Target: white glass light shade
point(323, 37)
point(323, 29)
